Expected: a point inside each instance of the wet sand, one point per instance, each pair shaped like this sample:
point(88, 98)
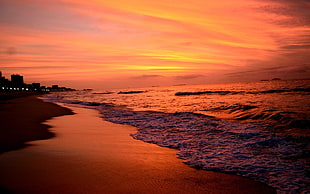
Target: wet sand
point(89, 155)
point(21, 118)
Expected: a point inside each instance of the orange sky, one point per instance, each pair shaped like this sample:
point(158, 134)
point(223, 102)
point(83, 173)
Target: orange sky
point(121, 43)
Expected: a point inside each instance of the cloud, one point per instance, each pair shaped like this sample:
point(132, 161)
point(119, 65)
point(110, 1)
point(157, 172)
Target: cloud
point(302, 69)
point(285, 71)
point(296, 11)
point(43, 15)
point(296, 47)
point(37, 67)
point(183, 40)
point(189, 77)
point(147, 76)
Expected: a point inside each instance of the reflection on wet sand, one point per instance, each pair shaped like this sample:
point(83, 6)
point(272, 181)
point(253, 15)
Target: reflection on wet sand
point(90, 155)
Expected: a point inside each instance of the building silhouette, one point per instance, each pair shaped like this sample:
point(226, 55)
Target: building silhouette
point(17, 85)
point(17, 80)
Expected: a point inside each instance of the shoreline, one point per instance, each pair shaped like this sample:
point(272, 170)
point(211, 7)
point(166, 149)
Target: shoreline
point(110, 155)
point(21, 120)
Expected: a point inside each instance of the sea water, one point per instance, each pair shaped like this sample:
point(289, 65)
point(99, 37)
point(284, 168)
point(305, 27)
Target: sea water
point(258, 130)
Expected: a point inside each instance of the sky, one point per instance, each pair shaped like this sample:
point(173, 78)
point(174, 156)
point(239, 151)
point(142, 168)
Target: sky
point(105, 44)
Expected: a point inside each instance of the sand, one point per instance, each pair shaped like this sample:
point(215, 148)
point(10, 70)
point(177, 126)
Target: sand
point(89, 155)
point(21, 119)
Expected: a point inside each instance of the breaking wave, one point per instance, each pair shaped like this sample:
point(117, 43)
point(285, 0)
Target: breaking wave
point(304, 90)
point(130, 92)
point(204, 92)
point(271, 118)
point(212, 144)
point(102, 93)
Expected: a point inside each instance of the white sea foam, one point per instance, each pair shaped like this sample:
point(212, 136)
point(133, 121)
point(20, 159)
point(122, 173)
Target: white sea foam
point(222, 146)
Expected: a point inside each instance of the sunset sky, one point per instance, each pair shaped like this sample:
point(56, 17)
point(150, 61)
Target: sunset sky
point(122, 43)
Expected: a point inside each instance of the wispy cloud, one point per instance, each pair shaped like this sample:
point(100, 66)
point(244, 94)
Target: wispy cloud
point(284, 72)
point(147, 76)
point(189, 77)
point(289, 47)
point(185, 40)
point(296, 12)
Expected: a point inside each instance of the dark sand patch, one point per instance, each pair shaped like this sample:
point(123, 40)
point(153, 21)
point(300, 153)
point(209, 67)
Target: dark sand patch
point(21, 118)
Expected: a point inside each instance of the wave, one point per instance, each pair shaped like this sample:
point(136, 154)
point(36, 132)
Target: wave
point(131, 92)
point(236, 107)
point(218, 145)
point(102, 93)
point(204, 92)
point(287, 90)
point(213, 144)
point(270, 118)
point(304, 90)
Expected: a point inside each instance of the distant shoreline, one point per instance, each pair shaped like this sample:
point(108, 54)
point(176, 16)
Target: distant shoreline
point(21, 117)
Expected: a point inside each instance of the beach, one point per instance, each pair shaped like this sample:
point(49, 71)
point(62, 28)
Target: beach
point(90, 155)
point(21, 120)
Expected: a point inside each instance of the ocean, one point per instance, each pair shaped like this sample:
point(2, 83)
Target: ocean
point(259, 130)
